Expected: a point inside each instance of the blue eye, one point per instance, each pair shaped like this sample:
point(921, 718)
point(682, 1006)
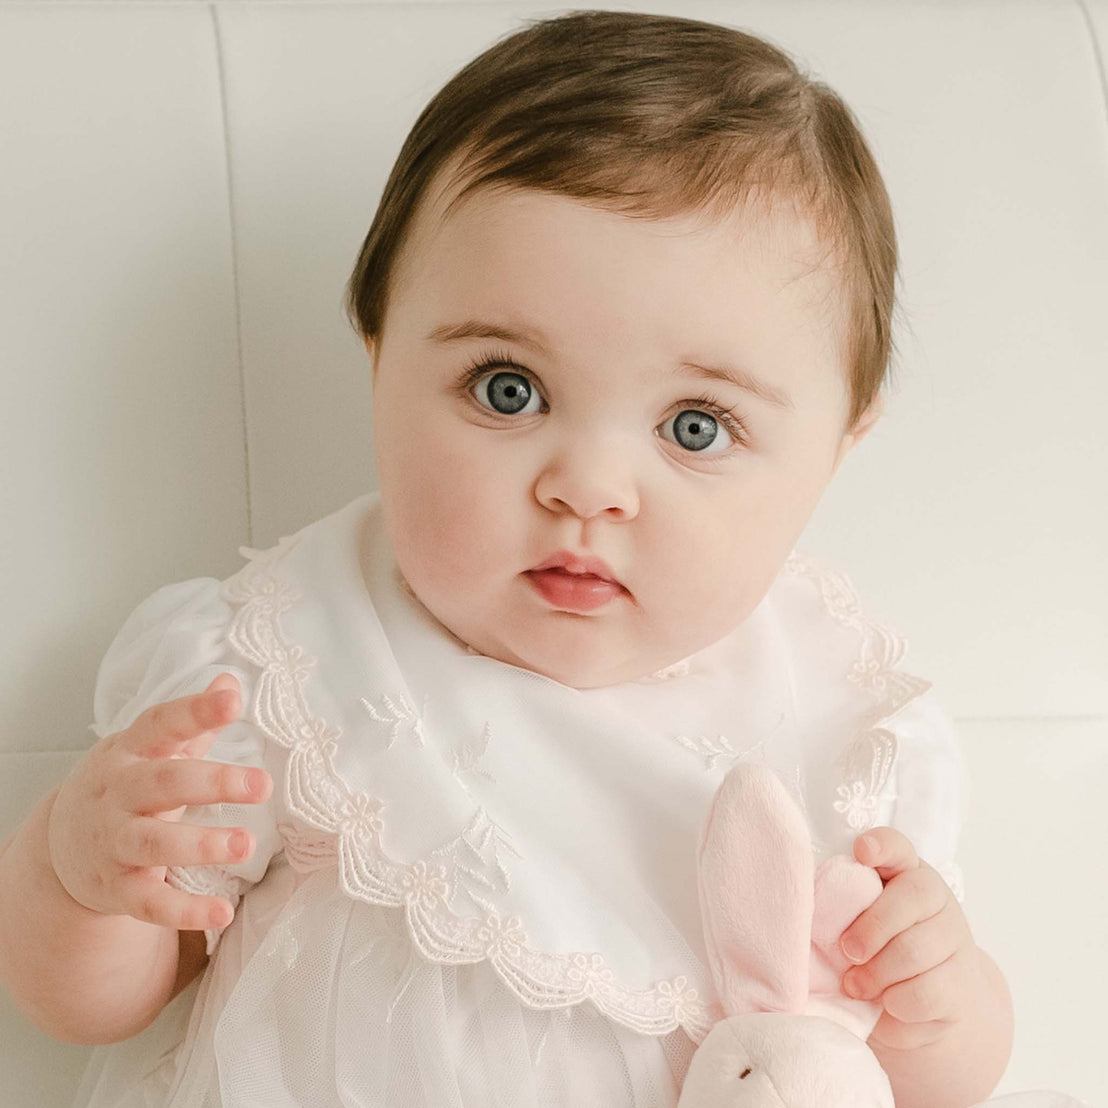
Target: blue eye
point(508, 393)
point(696, 431)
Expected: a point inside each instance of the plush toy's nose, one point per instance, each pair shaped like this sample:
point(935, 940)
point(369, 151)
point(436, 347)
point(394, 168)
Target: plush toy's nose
point(723, 1073)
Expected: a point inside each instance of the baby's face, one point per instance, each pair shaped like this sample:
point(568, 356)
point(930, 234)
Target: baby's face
point(587, 436)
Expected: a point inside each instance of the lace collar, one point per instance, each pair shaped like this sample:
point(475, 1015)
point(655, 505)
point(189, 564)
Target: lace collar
point(549, 830)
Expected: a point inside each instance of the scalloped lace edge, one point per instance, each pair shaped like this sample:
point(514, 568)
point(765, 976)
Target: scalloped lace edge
point(348, 823)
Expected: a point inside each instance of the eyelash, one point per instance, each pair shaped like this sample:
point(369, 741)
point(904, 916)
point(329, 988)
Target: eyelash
point(499, 359)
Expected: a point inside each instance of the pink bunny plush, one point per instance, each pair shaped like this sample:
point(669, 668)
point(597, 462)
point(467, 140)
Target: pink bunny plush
point(789, 1037)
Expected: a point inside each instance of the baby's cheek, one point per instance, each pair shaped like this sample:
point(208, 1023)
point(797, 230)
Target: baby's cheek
point(446, 524)
point(711, 569)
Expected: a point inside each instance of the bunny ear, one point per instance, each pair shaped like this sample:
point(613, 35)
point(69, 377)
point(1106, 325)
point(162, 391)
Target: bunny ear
point(844, 889)
point(756, 885)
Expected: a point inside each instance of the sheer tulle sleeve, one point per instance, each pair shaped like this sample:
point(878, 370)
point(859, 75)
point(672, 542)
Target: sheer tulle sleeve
point(930, 795)
point(173, 645)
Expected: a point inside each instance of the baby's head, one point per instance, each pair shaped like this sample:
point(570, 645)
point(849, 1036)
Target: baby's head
point(588, 230)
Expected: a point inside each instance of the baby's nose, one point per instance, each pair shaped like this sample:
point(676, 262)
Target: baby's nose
point(588, 487)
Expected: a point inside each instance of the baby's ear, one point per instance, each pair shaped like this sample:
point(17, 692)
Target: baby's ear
point(371, 350)
point(756, 886)
point(866, 422)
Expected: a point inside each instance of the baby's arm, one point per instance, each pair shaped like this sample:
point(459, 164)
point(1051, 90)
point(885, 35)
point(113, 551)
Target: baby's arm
point(89, 941)
point(79, 975)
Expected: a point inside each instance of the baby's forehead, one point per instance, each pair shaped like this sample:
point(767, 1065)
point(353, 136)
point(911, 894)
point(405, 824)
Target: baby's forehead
point(770, 225)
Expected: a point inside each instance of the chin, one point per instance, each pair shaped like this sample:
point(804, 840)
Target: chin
point(578, 671)
point(578, 679)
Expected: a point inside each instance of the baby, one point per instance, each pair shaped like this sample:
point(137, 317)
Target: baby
point(627, 301)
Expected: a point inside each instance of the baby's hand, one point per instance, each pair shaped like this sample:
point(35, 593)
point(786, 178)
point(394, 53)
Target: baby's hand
point(914, 945)
point(111, 833)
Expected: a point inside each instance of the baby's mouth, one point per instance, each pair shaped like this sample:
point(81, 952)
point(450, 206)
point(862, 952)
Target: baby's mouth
point(575, 592)
point(577, 565)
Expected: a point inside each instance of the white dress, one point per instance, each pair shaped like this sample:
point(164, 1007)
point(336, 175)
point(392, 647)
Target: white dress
point(473, 885)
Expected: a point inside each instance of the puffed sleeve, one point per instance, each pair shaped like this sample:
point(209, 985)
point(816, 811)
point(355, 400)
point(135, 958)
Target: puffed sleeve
point(173, 645)
point(929, 793)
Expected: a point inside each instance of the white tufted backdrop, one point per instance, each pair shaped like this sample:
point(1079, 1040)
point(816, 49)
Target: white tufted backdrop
point(183, 190)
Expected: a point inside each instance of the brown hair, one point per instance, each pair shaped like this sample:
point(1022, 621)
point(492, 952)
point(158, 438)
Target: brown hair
point(652, 116)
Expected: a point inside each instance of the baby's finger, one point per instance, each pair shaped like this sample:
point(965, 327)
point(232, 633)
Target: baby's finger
point(158, 902)
point(887, 850)
point(906, 900)
point(157, 785)
point(934, 995)
point(918, 949)
point(149, 841)
point(184, 727)
point(891, 1032)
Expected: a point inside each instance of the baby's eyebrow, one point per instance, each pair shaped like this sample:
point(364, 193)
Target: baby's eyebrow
point(480, 329)
point(740, 379)
point(537, 341)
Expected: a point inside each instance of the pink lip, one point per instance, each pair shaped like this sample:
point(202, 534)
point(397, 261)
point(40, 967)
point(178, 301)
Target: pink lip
point(577, 563)
point(575, 592)
point(577, 582)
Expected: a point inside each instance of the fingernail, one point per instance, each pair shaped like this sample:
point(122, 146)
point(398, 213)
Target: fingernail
point(872, 845)
point(852, 948)
point(224, 699)
point(850, 986)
